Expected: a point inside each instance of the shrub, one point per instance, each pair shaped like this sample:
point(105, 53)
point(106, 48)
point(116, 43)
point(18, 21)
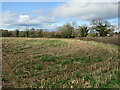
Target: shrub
point(66, 31)
point(83, 31)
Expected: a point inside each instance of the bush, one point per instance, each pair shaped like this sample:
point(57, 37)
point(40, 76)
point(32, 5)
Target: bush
point(66, 31)
point(82, 31)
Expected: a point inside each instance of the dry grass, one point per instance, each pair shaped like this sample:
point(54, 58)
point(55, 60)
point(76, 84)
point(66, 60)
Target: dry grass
point(58, 63)
point(107, 40)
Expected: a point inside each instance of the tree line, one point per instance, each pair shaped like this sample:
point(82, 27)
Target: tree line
point(99, 28)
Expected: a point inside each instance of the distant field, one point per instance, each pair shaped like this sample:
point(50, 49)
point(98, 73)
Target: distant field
point(59, 63)
point(107, 40)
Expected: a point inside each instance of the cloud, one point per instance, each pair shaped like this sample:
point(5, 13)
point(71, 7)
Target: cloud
point(36, 11)
point(23, 18)
point(87, 10)
point(73, 10)
point(9, 17)
point(16, 19)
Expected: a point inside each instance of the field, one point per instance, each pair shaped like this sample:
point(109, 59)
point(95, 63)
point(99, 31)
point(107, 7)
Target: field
point(107, 40)
point(58, 63)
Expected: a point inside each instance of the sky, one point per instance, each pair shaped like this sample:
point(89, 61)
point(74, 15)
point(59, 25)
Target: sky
point(50, 15)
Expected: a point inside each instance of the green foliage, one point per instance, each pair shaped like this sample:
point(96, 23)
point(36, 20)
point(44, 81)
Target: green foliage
point(17, 33)
point(88, 59)
point(19, 72)
point(32, 32)
point(54, 43)
point(66, 31)
point(39, 33)
point(113, 81)
point(27, 33)
point(78, 75)
point(117, 73)
point(48, 58)
point(87, 77)
point(82, 59)
point(92, 34)
point(102, 27)
point(5, 33)
point(51, 43)
point(37, 85)
point(93, 83)
point(83, 31)
point(67, 61)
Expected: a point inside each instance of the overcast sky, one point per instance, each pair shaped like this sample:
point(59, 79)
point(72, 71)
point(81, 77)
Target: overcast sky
point(49, 15)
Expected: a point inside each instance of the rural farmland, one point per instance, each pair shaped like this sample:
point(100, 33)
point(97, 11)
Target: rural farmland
point(58, 63)
point(69, 44)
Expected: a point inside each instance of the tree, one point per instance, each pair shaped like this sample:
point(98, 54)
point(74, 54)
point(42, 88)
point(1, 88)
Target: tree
point(103, 27)
point(83, 31)
point(5, 33)
point(40, 32)
point(66, 31)
point(27, 33)
point(32, 32)
point(17, 33)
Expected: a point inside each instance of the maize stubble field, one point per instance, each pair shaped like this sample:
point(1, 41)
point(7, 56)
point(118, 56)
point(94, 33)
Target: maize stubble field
point(58, 63)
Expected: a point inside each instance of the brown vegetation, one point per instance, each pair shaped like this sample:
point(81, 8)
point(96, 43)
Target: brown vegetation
point(58, 63)
point(107, 40)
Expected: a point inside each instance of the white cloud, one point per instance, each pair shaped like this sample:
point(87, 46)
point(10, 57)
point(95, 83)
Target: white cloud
point(9, 17)
point(23, 18)
point(49, 26)
point(87, 10)
point(36, 11)
point(16, 19)
point(76, 9)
